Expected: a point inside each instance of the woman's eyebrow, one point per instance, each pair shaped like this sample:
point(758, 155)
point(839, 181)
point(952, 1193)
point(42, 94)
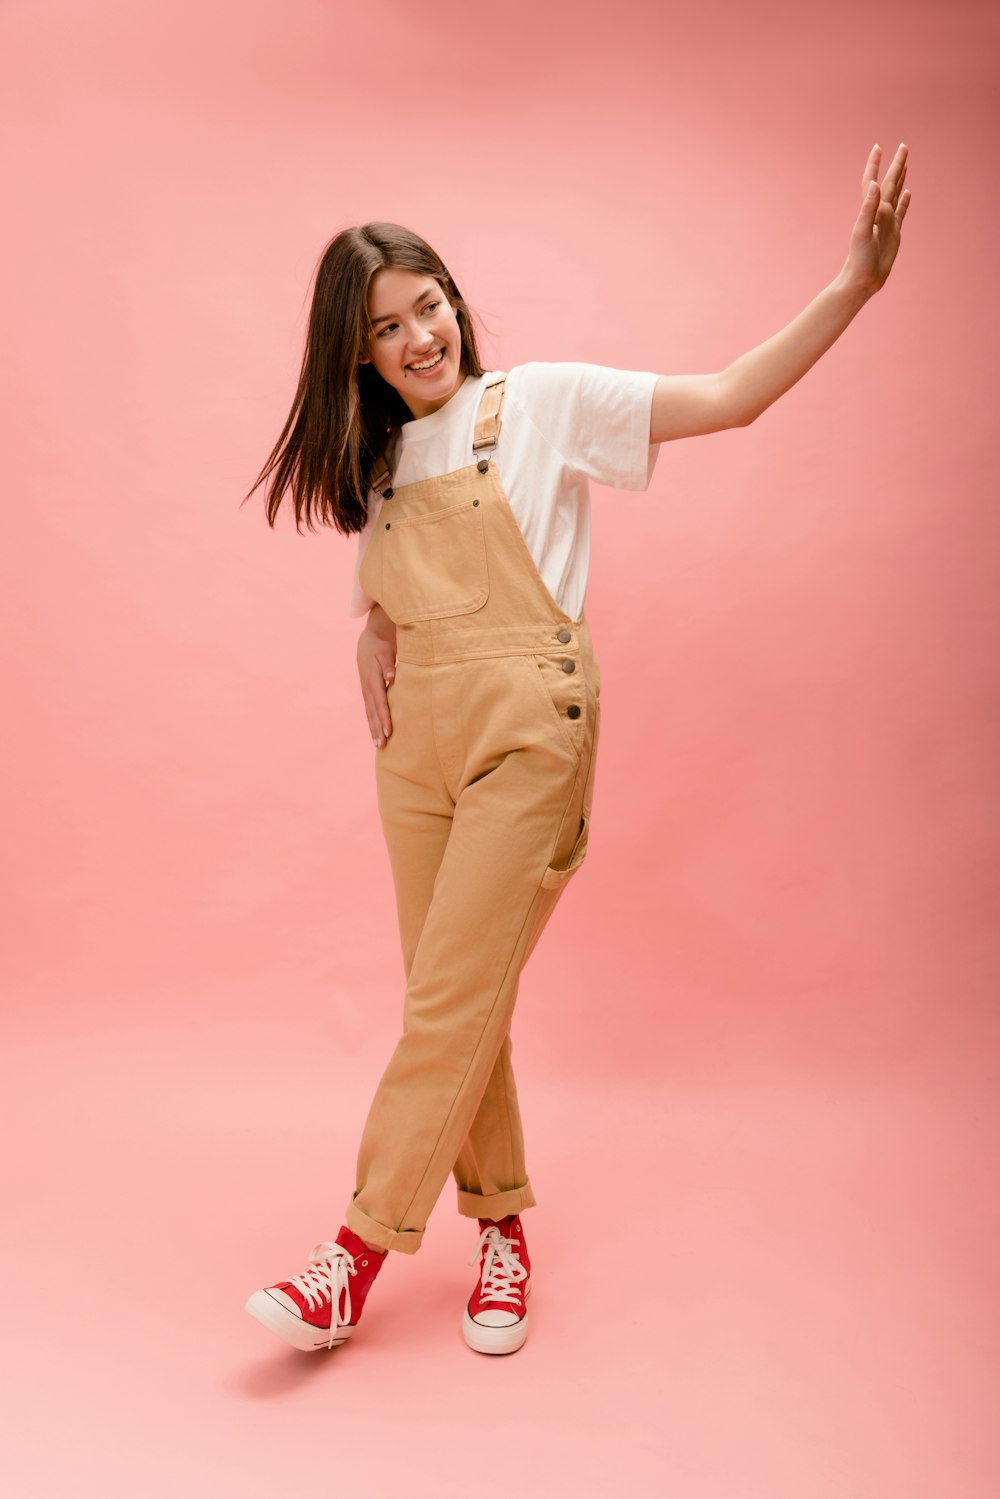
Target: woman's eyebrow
point(427, 291)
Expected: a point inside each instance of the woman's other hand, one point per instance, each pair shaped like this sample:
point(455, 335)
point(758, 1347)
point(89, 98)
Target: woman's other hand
point(875, 238)
point(377, 669)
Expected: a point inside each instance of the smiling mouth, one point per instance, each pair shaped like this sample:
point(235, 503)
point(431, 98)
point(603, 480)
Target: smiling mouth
point(424, 368)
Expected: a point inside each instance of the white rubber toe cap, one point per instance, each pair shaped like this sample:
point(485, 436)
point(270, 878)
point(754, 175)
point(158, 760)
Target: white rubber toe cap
point(486, 1337)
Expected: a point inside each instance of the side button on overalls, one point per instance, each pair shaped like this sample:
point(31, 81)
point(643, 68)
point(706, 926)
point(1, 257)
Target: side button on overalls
point(484, 791)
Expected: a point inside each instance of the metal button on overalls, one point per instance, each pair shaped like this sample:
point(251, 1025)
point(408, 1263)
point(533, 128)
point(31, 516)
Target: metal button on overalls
point(484, 789)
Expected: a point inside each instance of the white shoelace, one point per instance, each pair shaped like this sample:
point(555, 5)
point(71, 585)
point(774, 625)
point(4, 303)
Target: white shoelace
point(501, 1266)
point(334, 1268)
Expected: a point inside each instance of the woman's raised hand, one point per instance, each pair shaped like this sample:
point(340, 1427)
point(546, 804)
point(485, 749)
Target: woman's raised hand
point(875, 238)
point(377, 669)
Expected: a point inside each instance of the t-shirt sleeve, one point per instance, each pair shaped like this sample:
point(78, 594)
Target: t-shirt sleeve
point(596, 417)
point(360, 601)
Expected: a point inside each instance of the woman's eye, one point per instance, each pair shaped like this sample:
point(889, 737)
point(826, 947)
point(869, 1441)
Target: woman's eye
point(383, 331)
point(431, 306)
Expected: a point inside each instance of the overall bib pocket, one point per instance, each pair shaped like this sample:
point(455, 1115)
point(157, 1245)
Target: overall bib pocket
point(433, 565)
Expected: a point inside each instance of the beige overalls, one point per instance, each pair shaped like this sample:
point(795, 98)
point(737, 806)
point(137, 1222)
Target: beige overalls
point(484, 790)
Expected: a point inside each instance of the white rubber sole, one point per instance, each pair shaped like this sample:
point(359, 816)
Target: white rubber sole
point(496, 1339)
point(302, 1335)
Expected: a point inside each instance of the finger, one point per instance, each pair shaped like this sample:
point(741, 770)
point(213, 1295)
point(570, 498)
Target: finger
point(894, 176)
point(377, 704)
point(371, 686)
point(380, 732)
point(374, 727)
point(870, 173)
point(897, 187)
point(869, 209)
point(389, 676)
point(385, 659)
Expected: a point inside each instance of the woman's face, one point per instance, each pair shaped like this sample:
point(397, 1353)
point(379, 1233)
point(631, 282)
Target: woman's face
point(413, 325)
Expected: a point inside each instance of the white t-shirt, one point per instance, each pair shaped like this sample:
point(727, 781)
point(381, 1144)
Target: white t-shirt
point(560, 425)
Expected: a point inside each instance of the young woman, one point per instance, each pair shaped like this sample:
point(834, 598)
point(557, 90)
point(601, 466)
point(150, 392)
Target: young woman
point(468, 491)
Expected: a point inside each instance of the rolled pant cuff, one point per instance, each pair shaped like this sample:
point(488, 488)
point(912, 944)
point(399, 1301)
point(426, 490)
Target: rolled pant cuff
point(405, 1240)
point(498, 1205)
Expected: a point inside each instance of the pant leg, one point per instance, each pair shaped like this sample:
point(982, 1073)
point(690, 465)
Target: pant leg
point(417, 812)
point(457, 1017)
point(517, 834)
point(493, 1154)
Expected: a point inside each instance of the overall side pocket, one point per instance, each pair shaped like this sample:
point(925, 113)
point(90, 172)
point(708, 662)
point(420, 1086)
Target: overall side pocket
point(555, 879)
point(556, 876)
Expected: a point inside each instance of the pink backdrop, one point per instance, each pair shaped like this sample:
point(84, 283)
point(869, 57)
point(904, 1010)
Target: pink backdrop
point(768, 1004)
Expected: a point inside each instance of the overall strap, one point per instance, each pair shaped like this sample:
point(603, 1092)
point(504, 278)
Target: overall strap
point(486, 433)
point(380, 474)
point(488, 416)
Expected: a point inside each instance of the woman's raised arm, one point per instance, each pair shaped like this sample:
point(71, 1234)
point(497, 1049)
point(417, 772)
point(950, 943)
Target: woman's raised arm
point(693, 405)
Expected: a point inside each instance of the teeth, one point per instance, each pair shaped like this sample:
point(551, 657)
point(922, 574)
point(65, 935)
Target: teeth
point(428, 363)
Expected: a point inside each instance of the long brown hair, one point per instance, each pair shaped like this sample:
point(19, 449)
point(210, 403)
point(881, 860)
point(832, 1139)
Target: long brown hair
point(344, 411)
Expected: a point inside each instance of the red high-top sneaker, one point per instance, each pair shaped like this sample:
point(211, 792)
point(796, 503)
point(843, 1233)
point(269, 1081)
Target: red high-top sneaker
point(301, 1310)
point(496, 1318)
